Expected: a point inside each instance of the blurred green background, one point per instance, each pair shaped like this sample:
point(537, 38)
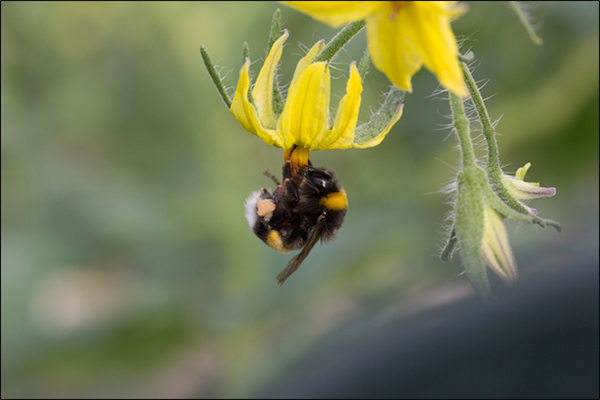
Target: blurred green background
point(128, 268)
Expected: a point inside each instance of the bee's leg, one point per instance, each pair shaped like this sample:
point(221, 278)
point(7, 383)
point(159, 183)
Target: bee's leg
point(265, 194)
point(287, 170)
point(290, 190)
point(310, 186)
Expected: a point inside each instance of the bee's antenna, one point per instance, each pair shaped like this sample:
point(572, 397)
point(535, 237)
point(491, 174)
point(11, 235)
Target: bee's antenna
point(270, 175)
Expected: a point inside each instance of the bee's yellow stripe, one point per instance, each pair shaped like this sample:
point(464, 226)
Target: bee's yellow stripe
point(274, 241)
point(335, 201)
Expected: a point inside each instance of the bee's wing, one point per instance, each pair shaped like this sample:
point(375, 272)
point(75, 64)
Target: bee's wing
point(295, 262)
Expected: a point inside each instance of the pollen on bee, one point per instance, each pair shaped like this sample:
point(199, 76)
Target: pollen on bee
point(265, 208)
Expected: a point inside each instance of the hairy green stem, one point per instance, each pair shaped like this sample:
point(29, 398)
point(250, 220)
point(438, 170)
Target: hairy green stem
point(493, 159)
point(461, 127)
point(466, 58)
point(508, 212)
point(494, 172)
point(340, 40)
point(520, 14)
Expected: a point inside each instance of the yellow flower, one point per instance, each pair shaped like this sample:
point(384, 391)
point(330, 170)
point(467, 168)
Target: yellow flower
point(402, 36)
point(521, 190)
point(495, 247)
point(304, 123)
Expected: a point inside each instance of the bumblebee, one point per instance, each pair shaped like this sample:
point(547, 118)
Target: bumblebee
point(306, 206)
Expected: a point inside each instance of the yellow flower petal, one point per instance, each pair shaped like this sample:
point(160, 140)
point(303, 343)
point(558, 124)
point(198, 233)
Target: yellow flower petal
point(342, 134)
point(391, 50)
point(524, 190)
point(521, 190)
point(307, 60)
point(428, 27)
point(297, 155)
point(520, 174)
point(263, 88)
point(336, 13)
point(495, 247)
point(404, 37)
point(246, 113)
point(306, 110)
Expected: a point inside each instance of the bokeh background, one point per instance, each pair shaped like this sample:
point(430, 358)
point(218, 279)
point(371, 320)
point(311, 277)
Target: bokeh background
point(128, 268)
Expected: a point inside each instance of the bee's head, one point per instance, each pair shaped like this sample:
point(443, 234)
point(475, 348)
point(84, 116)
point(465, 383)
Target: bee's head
point(320, 178)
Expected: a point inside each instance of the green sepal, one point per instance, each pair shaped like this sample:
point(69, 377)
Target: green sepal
point(275, 29)
point(275, 34)
point(246, 56)
point(468, 211)
point(214, 75)
point(364, 63)
point(450, 246)
point(245, 52)
point(382, 118)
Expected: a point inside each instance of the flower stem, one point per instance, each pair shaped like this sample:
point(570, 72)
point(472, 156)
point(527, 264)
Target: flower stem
point(215, 76)
point(522, 17)
point(461, 127)
point(466, 58)
point(493, 170)
point(493, 159)
point(340, 40)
